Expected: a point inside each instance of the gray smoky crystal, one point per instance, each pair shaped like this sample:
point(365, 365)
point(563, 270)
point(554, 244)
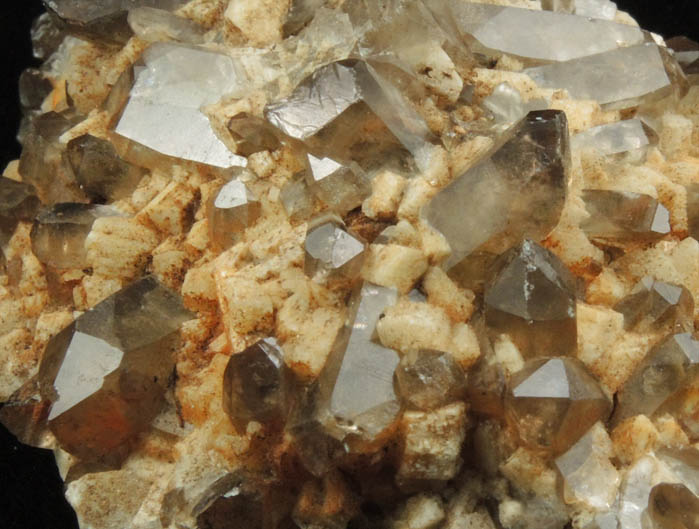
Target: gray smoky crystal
point(342, 187)
point(18, 201)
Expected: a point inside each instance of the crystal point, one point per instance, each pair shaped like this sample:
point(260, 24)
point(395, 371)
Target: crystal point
point(342, 187)
point(230, 211)
point(614, 138)
point(18, 201)
point(672, 506)
point(331, 251)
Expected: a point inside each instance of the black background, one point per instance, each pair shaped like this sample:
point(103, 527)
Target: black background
point(31, 493)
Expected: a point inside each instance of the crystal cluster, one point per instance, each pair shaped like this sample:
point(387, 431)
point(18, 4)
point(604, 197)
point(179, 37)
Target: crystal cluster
point(309, 264)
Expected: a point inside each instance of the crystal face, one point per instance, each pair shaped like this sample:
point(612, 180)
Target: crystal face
point(532, 299)
point(106, 373)
point(552, 402)
point(534, 159)
point(18, 201)
point(342, 187)
point(672, 506)
point(615, 138)
point(230, 211)
point(332, 252)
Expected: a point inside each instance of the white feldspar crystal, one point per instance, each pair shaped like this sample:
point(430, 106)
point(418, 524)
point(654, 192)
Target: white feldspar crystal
point(529, 33)
point(614, 138)
point(614, 78)
point(164, 109)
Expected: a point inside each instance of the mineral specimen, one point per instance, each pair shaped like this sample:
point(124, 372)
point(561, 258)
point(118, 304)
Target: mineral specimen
point(356, 264)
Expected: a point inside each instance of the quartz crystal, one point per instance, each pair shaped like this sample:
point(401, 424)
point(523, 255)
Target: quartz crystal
point(657, 305)
point(152, 25)
point(102, 175)
point(357, 400)
point(506, 105)
point(106, 373)
point(533, 158)
point(532, 300)
point(163, 112)
point(552, 402)
point(254, 385)
point(230, 211)
point(668, 366)
point(427, 379)
point(615, 138)
point(59, 233)
point(672, 506)
point(604, 77)
point(252, 134)
point(341, 187)
point(623, 216)
point(18, 201)
point(333, 252)
point(693, 210)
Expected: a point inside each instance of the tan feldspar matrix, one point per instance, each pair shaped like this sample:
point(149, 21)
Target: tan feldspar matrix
point(360, 264)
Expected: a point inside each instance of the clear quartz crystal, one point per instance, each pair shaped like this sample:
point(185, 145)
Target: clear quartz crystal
point(151, 25)
point(614, 138)
point(672, 506)
point(340, 186)
point(332, 252)
point(231, 210)
point(507, 106)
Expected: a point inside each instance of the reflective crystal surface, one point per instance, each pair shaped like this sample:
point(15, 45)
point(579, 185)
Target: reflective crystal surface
point(654, 305)
point(18, 201)
point(427, 379)
point(552, 402)
point(254, 385)
point(614, 138)
point(102, 175)
point(34, 87)
point(297, 199)
point(604, 77)
point(529, 33)
point(46, 36)
point(59, 233)
point(152, 25)
point(669, 366)
point(332, 251)
point(516, 191)
point(672, 506)
point(230, 211)
point(532, 300)
point(164, 108)
point(623, 216)
point(506, 105)
point(588, 474)
point(106, 373)
point(357, 400)
point(341, 187)
point(252, 134)
point(684, 464)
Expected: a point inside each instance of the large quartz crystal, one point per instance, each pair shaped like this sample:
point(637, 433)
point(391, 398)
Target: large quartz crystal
point(106, 373)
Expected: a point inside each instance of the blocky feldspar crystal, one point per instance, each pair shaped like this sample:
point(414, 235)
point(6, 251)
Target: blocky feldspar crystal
point(552, 402)
point(618, 216)
point(669, 366)
point(332, 252)
point(427, 379)
point(529, 33)
point(230, 211)
point(357, 400)
point(106, 373)
point(341, 187)
point(614, 138)
point(18, 201)
point(606, 77)
point(588, 475)
point(516, 191)
point(654, 305)
point(532, 300)
point(693, 210)
point(671, 506)
point(254, 385)
point(164, 108)
point(102, 175)
point(59, 233)
point(252, 134)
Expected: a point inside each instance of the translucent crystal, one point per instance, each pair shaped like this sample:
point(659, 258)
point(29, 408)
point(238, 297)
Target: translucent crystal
point(506, 105)
point(672, 506)
point(106, 373)
point(529, 33)
point(46, 37)
point(332, 251)
point(684, 464)
point(300, 13)
point(654, 305)
point(102, 175)
point(59, 233)
point(163, 111)
point(603, 9)
point(245, 509)
point(532, 300)
point(230, 211)
point(589, 476)
point(686, 50)
point(669, 366)
point(693, 210)
point(357, 400)
point(297, 199)
point(341, 187)
point(604, 77)
point(614, 138)
point(623, 216)
point(428, 379)
point(561, 6)
point(152, 25)
point(252, 134)
point(18, 201)
point(523, 178)
point(553, 402)
point(254, 385)
point(24, 414)
point(636, 487)
point(34, 87)
point(604, 520)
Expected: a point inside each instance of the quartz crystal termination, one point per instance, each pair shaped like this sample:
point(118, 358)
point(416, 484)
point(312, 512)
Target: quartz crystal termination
point(332, 253)
point(230, 211)
point(106, 373)
point(533, 159)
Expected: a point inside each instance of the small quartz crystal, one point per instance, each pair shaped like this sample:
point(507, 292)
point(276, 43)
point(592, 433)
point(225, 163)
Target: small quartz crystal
point(254, 385)
point(342, 187)
point(105, 374)
point(230, 211)
point(552, 402)
point(252, 134)
point(18, 201)
point(672, 506)
point(657, 305)
point(532, 300)
point(614, 138)
point(59, 233)
point(332, 251)
point(623, 216)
